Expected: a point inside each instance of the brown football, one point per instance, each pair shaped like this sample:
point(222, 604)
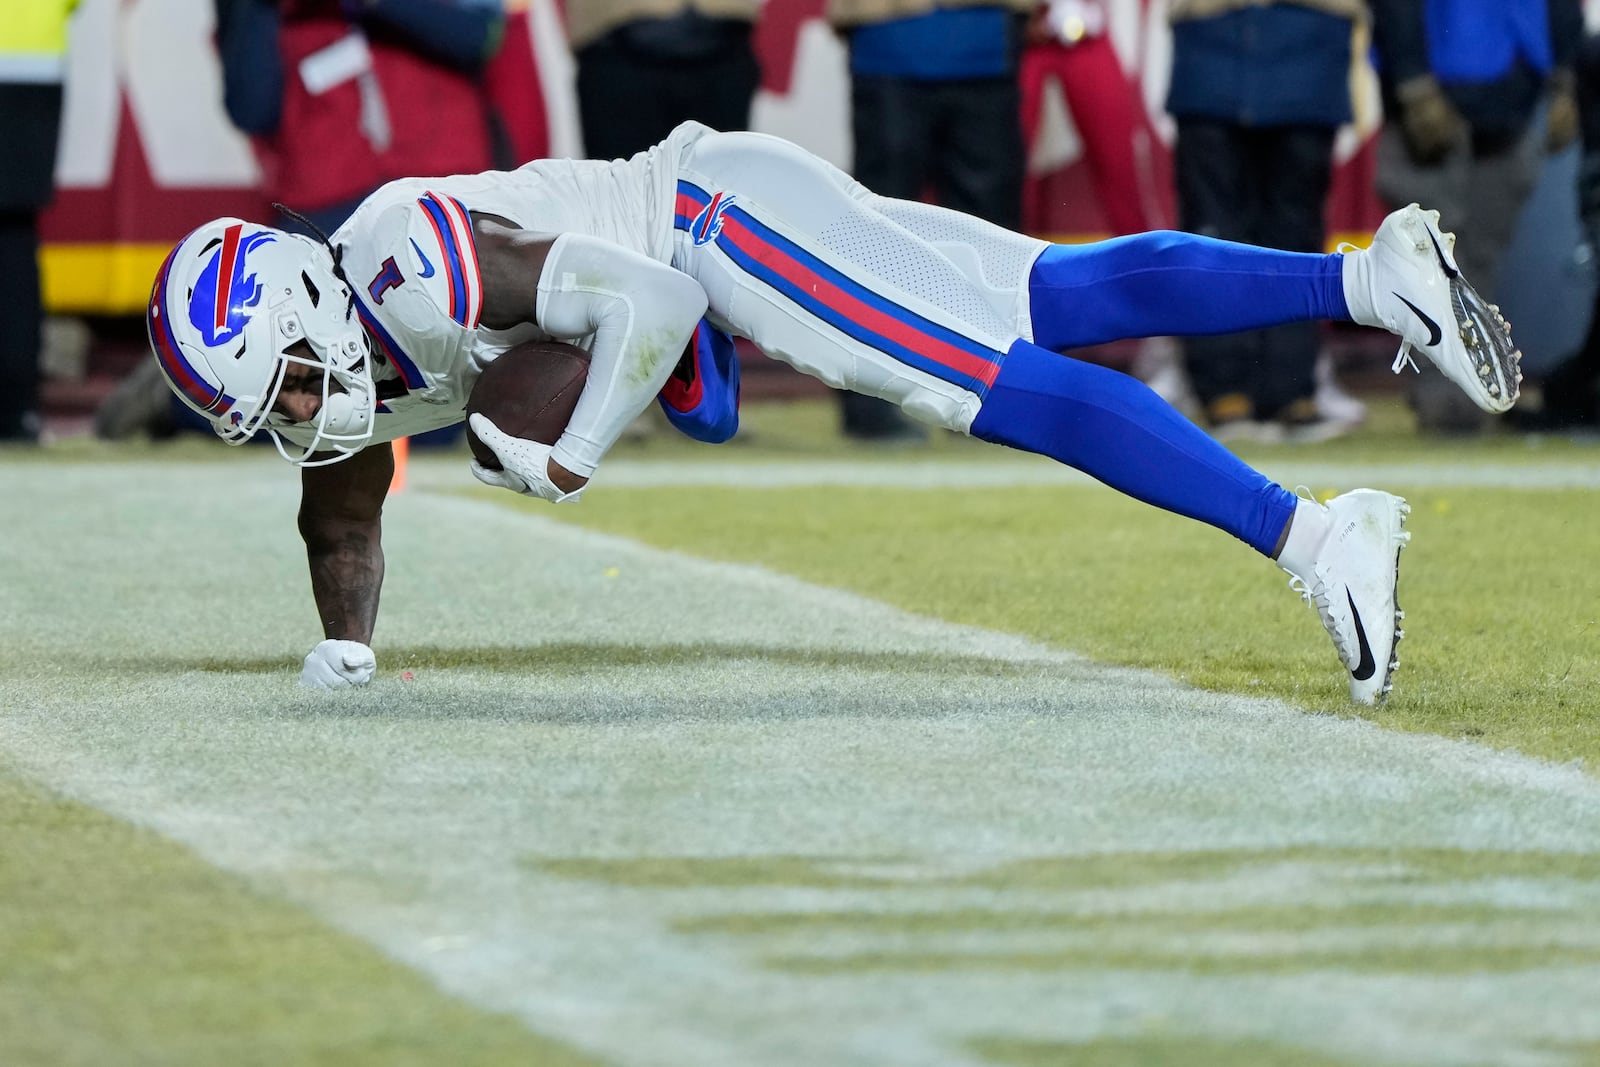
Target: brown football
point(529, 392)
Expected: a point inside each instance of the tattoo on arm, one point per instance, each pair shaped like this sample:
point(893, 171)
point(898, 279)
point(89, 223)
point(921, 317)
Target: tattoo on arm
point(341, 507)
point(346, 577)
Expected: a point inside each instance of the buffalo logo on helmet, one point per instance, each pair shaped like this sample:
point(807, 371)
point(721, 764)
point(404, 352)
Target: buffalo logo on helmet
point(225, 291)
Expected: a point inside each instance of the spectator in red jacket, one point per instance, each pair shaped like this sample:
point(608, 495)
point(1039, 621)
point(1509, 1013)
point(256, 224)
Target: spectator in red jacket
point(344, 95)
point(339, 97)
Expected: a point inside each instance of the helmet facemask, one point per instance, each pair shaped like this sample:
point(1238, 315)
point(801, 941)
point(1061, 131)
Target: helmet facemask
point(311, 323)
point(233, 308)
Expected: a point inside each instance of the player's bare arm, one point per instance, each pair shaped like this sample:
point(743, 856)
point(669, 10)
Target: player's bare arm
point(341, 507)
point(511, 260)
point(511, 274)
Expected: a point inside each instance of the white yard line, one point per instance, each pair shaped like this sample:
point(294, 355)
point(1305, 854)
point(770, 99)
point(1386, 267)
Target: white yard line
point(432, 817)
point(436, 472)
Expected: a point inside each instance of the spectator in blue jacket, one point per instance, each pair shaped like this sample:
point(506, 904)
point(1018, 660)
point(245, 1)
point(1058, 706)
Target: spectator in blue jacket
point(1465, 83)
point(1258, 91)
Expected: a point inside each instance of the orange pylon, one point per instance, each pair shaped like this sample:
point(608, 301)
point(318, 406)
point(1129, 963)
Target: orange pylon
point(402, 453)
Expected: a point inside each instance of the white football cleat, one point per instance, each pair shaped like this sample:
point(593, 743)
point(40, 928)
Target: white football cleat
point(1409, 284)
point(1352, 583)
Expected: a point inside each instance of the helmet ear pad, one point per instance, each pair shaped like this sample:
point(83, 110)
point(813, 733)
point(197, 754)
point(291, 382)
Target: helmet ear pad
point(228, 306)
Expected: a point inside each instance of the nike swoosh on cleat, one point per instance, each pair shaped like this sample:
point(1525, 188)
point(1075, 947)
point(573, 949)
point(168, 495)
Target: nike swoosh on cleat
point(1363, 669)
point(1444, 263)
point(1434, 333)
point(427, 268)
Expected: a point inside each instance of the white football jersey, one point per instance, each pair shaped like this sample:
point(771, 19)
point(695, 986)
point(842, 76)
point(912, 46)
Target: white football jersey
point(409, 254)
point(899, 300)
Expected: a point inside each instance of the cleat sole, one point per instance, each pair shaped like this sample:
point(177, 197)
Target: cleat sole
point(1402, 538)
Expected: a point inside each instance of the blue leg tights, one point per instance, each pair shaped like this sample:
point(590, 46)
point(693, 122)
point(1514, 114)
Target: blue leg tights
point(1116, 429)
point(1112, 426)
point(1176, 284)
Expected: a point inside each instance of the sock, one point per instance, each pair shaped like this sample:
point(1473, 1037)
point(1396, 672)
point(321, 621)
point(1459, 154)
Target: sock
point(1165, 283)
point(1356, 283)
point(1115, 428)
point(1307, 531)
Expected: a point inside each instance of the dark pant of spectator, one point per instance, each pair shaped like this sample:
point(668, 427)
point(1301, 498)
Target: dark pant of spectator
point(20, 315)
point(629, 100)
point(961, 141)
point(1265, 186)
point(1571, 391)
point(30, 125)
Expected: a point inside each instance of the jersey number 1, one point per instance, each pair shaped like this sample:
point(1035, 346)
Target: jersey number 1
point(389, 277)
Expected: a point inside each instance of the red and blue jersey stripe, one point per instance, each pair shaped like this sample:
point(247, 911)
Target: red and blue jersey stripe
point(452, 226)
point(169, 353)
point(844, 303)
point(409, 372)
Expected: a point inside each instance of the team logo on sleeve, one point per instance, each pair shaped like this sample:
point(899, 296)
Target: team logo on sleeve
point(225, 292)
point(708, 224)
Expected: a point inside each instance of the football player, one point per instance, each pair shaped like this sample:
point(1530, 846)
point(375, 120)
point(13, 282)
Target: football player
point(336, 348)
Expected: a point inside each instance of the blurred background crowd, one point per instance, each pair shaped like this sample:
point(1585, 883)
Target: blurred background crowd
point(1295, 124)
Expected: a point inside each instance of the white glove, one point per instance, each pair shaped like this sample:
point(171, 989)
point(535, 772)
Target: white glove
point(525, 465)
point(337, 664)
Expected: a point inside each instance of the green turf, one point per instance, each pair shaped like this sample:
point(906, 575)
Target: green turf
point(120, 947)
point(1503, 619)
point(1110, 870)
point(1372, 933)
point(117, 946)
point(1502, 598)
point(1155, 1050)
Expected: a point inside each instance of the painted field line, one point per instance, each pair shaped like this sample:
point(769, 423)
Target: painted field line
point(682, 812)
point(1013, 473)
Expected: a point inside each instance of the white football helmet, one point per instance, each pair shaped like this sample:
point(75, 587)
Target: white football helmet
point(228, 312)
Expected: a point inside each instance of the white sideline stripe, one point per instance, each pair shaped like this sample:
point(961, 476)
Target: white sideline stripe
point(404, 813)
point(1009, 474)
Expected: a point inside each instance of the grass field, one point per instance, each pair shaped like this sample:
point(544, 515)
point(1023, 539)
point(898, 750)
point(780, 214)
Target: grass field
point(781, 753)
